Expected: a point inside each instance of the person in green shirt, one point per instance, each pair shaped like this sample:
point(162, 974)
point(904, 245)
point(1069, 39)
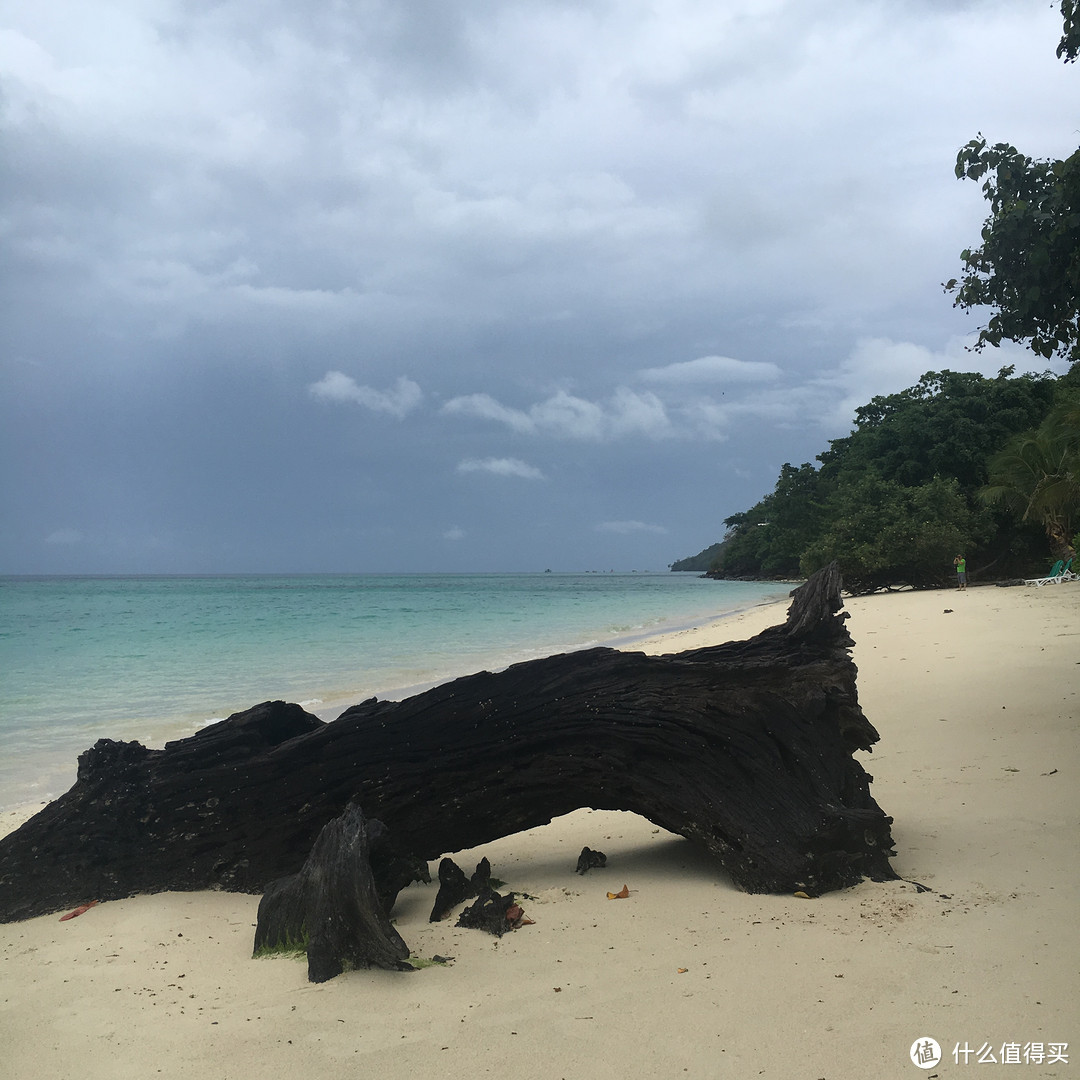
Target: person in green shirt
point(961, 572)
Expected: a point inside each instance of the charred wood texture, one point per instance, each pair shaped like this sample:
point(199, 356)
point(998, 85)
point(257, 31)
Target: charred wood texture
point(455, 887)
point(333, 907)
point(590, 860)
point(492, 912)
point(745, 747)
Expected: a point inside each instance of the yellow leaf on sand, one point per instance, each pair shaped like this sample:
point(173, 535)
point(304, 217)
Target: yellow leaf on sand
point(621, 895)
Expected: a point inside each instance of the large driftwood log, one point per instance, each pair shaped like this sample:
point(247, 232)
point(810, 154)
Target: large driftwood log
point(744, 747)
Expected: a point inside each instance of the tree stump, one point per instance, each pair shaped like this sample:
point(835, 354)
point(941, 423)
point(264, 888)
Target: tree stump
point(332, 907)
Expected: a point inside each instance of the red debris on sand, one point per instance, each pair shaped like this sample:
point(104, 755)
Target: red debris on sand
point(516, 917)
point(78, 911)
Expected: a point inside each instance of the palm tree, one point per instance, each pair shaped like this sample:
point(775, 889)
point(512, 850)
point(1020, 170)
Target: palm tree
point(1037, 476)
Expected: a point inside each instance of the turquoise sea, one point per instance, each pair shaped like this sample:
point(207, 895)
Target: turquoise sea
point(156, 658)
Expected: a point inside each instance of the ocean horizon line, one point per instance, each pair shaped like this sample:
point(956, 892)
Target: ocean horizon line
point(151, 574)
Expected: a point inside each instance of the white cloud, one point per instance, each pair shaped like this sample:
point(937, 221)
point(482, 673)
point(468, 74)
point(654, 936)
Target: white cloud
point(875, 366)
point(632, 413)
point(485, 407)
point(710, 369)
point(565, 416)
point(64, 537)
point(626, 527)
point(878, 366)
point(501, 467)
point(568, 416)
point(455, 533)
point(401, 399)
point(306, 301)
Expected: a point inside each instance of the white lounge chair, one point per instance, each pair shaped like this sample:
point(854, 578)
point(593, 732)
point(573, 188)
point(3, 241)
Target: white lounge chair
point(1060, 571)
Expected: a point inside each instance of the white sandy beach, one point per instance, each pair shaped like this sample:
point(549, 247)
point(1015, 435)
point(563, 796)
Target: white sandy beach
point(979, 714)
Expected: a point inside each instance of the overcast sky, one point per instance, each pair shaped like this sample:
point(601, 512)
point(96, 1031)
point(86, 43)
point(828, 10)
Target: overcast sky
point(472, 284)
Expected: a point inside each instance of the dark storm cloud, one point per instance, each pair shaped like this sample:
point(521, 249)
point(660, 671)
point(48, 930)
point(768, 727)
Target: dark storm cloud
point(411, 285)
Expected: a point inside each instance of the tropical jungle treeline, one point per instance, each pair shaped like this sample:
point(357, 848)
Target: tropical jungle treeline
point(957, 464)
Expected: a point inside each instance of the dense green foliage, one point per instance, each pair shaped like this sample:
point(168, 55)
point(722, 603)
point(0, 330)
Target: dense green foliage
point(703, 560)
point(1069, 46)
point(896, 500)
point(1037, 476)
point(769, 538)
point(1028, 268)
point(947, 424)
point(884, 533)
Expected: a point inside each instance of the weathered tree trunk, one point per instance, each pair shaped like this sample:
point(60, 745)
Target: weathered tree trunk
point(333, 908)
point(745, 747)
